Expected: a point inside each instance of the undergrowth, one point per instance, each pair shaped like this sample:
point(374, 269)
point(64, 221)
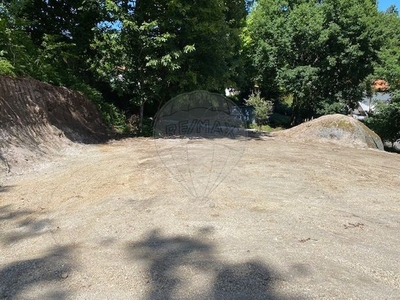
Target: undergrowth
point(111, 115)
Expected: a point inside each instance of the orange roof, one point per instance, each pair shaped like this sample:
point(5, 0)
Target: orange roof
point(380, 85)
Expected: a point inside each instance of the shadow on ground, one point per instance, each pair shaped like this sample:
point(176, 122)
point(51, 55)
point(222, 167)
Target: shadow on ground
point(21, 224)
point(4, 167)
point(175, 262)
point(7, 213)
point(257, 135)
point(40, 275)
point(4, 188)
point(33, 274)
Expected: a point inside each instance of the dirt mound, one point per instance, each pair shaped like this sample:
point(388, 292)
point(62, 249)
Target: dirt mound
point(38, 120)
point(336, 129)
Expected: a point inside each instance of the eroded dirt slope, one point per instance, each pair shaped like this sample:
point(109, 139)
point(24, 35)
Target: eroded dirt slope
point(38, 120)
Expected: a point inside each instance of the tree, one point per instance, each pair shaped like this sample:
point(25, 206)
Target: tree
point(388, 65)
point(385, 119)
point(65, 25)
point(73, 19)
point(154, 50)
point(317, 51)
point(392, 9)
point(17, 52)
point(132, 50)
point(147, 51)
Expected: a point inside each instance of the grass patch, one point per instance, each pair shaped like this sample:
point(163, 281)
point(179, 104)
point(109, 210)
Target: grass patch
point(344, 125)
point(266, 128)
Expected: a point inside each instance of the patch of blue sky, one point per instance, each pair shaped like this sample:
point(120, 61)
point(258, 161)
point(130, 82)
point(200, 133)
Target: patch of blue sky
point(383, 5)
point(114, 24)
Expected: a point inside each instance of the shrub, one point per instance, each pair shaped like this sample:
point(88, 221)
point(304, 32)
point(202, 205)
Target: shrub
point(262, 108)
point(111, 115)
point(6, 68)
point(385, 121)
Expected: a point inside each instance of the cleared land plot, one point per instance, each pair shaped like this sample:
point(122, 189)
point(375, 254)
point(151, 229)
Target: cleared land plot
point(292, 221)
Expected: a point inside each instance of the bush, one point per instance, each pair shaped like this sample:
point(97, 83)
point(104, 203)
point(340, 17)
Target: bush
point(331, 108)
point(262, 108)
point(134, 128)
point(6, 68)
point(385, 121)
point(111, 115)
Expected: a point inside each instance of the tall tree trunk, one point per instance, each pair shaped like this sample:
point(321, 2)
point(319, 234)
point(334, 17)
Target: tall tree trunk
point(141, 116)
point(295, 112)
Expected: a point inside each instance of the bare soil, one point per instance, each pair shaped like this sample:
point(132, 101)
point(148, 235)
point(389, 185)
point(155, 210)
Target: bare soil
point(39, 120)
point(291, 221)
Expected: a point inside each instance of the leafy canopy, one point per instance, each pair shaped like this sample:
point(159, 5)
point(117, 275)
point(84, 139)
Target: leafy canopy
point(317, 51)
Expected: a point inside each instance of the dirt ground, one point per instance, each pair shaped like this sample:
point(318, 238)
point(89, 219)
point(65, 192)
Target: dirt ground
point(291, 221)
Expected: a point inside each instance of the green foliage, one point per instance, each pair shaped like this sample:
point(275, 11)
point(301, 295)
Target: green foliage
point(16, 48)
point(54, 62)
point(277, 120)
point(319, 52)
point(110, 114)
point(282, 111)
point(163, 48)
point(148, 51)
point(147, 129)
point(48, 40)
point(54, 50)
point(262, 107)
point(328, 108)
point(385, 121)
point(6, 68)
point(388, 65)
point(266, 128)
point(392, 10)
point(147, 126)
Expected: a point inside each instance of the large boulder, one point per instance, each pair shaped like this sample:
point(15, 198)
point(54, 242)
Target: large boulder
point(336, 129)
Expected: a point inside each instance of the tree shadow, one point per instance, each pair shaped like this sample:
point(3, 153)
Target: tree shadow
point(53, 267)
point(6, 213)
point(22, 223)
point(257, 135)
point(27, 229)
point(165, 256)
point(4, 188)
point(249, 280)
point(171, 259)
point(3, 163)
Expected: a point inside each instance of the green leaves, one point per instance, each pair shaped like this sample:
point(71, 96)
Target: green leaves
point(386, 121)
point(170, 46)
point(163, 48)
point(6, 68)
point(262, 107)
point(317, 52)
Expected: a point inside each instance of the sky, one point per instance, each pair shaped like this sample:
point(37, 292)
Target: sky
point(384, 4)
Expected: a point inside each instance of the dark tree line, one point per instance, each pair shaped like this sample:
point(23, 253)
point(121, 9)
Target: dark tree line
point(133, 56)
